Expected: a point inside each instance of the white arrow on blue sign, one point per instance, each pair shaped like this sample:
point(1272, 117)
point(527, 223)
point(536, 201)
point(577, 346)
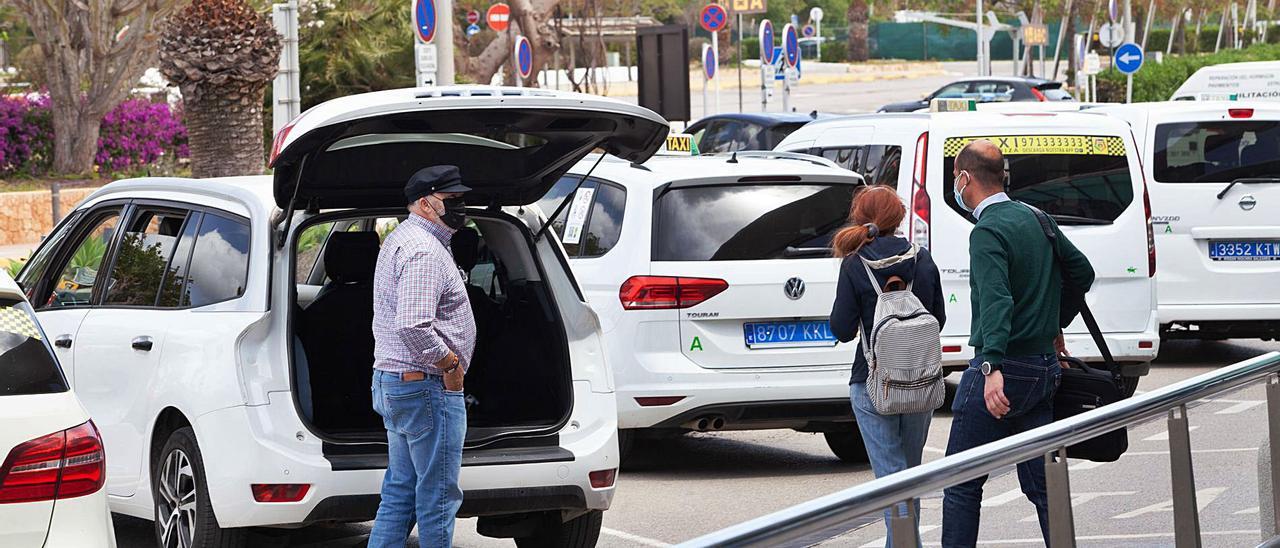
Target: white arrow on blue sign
point(1128, 58)
point(473, 29)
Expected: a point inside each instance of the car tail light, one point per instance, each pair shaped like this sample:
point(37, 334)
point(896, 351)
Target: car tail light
point(1146, 344)
point(667, 292)
point(1240, 112)
point(279, 492)
point(952, 349)
point(920, 196)
point(66, 464)
point(1151, 233)
point(601, 479)
point(1039, 96)
point(278, 143)
point(657, 401)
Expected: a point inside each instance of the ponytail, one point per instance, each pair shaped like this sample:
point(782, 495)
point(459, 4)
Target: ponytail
point(875, 210)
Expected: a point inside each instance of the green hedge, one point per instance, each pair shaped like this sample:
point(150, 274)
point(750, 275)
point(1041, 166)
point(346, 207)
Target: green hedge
point(1157, 81)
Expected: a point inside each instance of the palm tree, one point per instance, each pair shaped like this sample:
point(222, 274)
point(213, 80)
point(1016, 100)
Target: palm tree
point(857, 17)
point(221, 54)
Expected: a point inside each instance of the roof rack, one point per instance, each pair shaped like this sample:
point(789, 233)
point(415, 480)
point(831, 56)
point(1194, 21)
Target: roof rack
point(818, 160)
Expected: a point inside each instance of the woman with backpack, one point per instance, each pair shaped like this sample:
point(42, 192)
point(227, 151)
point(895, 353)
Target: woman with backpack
point(889, 295)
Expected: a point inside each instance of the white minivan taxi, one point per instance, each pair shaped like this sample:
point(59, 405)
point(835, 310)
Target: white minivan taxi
point(713, 279)
point(220, 329)
point(51, 491)
point(1082, 169)
point(1249, 81)
point(1214, 168)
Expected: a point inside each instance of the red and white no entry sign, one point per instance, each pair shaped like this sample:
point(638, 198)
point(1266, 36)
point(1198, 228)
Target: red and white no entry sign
point(498, 17)
point(473, 17)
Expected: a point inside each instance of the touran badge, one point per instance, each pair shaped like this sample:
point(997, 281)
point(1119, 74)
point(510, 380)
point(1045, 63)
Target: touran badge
point(1248, 202)
point(794, 288)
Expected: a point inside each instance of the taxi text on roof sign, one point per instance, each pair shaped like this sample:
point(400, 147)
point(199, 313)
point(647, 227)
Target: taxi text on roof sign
point(953, 105)
point(679, 144)
point(1043, 144)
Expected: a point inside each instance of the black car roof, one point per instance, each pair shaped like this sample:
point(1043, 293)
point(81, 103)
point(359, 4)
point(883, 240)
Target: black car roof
point(763, 118)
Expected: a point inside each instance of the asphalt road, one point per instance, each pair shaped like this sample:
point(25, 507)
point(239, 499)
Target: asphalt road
point(677, 489)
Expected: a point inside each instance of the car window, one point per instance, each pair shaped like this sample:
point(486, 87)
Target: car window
point(552, 200)
point(27, 365)
point(77, 276)
point(590, 225)
point(219, 262)
point(1193, 152)
point(722, 137)
point(308, 250)
point(175, 275)
point(952, 91)
point(777, 134)
point(878, 164)
point(987, 92)
point(748, 221)
point(604, 225)
point(143, 258)
point(40, 260)
point(1056, 94)
point(1080, 179)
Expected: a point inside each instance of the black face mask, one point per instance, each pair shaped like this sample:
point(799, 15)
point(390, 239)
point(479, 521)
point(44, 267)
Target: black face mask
point(455, 212)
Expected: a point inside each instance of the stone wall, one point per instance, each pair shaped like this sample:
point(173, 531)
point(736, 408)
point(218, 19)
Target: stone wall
point(26, 217)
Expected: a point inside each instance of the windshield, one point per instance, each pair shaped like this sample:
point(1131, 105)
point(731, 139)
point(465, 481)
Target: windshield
point(748, 221)
point(27, 365)
point(1216, 152)
point(1077, 179)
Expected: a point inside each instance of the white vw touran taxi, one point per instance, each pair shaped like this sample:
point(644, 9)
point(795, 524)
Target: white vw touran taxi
point(51, 478)
point(1214, 168)
point(219, 330)
point(1081, 169)
point(713, 280)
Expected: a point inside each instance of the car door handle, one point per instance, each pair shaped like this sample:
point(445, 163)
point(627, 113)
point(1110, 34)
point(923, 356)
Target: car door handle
point(142, 343)
point(63, 341)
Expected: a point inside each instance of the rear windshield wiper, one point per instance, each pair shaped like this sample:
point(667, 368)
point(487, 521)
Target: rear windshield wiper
point(799, 252)
point(1076, 220)
point(1247, 181)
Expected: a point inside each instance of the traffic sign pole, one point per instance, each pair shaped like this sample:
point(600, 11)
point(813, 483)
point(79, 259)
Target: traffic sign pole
point(715, 45)
point(740, 62)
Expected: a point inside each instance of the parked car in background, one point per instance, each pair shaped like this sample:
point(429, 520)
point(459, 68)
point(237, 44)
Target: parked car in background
point(989, 89)
point(54, 466)
point(219, 329)
point(746, 131)
point(1214, 168)
point(1252, 81)
point(713, 279)
point(1081, 169)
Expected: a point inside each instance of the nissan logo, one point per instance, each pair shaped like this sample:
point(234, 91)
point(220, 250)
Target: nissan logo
point(1248, 202)
point(794, 288)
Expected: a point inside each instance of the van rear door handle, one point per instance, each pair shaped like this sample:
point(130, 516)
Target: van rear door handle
point(142, 343)
point(62, 341)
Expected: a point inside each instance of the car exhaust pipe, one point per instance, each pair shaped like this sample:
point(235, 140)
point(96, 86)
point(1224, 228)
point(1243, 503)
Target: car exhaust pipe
point(706, 423)
point(717, 423)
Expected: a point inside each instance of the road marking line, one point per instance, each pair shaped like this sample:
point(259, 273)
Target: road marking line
point(1085, 465)
point(1203, 498)
point(1239, 407)
point(877, 543)
point(1253, 510)
point(1132, 536)
point(1003, 498)
point(1080, 498)
point(1164, 434)
point(634, 538)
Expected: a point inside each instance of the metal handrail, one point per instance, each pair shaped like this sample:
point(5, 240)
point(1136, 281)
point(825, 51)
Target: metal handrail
point(825, 512)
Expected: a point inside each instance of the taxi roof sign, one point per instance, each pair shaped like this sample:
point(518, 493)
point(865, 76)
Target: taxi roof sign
point(679, 144)
point(953, 105)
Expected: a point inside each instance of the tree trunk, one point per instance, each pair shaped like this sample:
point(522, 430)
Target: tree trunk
point(75, 140)
point(857, 18)
point(531, 16)
point(224, 131)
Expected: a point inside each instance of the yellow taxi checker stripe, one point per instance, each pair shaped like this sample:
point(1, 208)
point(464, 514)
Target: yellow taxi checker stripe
point(16, 321)
point(1043, 144)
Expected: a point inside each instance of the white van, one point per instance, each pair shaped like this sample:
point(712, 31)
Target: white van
point(1214, 168)
point(1082, 169)
point(1258, 81)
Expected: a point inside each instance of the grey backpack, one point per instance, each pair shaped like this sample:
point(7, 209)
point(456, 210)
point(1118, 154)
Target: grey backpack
point(903, 349)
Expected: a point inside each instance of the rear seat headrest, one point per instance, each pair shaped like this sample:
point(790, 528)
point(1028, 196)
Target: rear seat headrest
point(351, 257)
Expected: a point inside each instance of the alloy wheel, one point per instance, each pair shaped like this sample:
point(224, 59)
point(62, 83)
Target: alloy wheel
point(176, 507)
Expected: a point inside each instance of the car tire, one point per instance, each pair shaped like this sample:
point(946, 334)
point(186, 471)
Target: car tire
point(626, 443)
point(847, 444)
point(180, 496)
point(580, 532)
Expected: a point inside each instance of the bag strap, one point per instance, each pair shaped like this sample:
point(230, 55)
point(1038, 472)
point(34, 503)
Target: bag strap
point(1085, 313)
point(871, 276)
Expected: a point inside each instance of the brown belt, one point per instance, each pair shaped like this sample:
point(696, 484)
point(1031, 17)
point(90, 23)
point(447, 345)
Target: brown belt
point(411, 376)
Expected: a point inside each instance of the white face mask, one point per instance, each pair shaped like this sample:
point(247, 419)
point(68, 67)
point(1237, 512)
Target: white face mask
point(959, 191)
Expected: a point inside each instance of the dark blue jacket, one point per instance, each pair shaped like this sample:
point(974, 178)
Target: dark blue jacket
point(856, 299)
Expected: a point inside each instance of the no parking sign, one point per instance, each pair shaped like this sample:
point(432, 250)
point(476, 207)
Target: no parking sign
point(791, 45)
point(710, 61)
point(766, 42)
point(524, 57)
point(713, 18)
point(424, 20)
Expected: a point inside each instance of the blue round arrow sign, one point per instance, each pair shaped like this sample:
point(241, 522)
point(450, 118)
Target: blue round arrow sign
point(766, 42)
point(424, 19)
point(524, 57)
point(1128, 58)
point(791, 44)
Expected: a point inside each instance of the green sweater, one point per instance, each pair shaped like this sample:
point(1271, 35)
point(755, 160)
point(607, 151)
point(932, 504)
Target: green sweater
point(1016, 289)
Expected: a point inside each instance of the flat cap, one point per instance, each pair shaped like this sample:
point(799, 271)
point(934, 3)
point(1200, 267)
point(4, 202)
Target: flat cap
point(430, 180)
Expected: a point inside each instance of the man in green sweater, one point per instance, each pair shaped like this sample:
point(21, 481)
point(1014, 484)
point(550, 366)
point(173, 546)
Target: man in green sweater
point(1016, 292)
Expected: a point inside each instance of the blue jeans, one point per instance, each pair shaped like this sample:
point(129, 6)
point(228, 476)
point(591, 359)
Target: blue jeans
point(1029, 385)
point(894, 442)
point(426, 426)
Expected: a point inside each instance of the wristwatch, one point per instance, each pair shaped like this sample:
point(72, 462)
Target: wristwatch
point(987, 368)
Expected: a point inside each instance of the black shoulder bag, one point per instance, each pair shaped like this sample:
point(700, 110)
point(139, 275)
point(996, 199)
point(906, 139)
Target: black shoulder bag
point(1085, 388)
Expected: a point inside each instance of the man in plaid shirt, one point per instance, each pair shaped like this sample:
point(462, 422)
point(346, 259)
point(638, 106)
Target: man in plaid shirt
point(424, 336)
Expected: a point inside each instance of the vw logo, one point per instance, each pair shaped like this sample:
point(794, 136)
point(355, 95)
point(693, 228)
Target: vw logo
point(794, 288)
point(1248, 202)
